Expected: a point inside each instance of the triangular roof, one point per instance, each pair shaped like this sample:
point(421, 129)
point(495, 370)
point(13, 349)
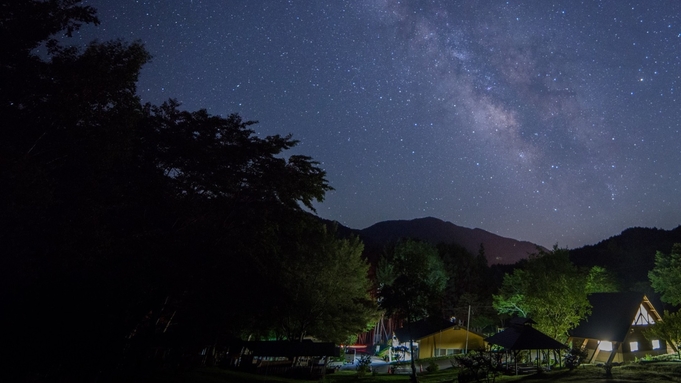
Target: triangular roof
point(612, 314)
point(423, 328)
point(524, 337)
point(520, 321)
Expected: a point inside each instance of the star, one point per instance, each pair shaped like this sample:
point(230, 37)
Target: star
point(416, 107)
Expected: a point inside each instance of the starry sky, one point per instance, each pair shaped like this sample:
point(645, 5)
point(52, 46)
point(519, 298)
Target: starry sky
point(546, 121)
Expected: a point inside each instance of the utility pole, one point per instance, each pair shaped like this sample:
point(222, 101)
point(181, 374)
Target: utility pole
point(468, 327)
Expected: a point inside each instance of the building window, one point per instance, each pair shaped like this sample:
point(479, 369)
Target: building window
point(656, 344)
point(447, 351)
point(604, 345)
point(633, 346)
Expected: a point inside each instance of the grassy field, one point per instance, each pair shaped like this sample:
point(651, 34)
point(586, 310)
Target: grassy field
point(633, 372)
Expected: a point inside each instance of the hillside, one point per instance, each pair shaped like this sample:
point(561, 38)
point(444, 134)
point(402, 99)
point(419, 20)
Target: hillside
point(499, 250)
point(631, 254)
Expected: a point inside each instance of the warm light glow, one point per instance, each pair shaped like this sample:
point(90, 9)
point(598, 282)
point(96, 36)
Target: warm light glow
point(633, 346)
point(656, 344)
point(605, 345)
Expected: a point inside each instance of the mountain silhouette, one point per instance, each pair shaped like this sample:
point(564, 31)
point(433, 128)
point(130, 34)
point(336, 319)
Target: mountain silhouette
point(498, 249)
point(630, 254)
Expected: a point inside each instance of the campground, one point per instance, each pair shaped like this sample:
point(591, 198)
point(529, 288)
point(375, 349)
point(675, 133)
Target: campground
point(631, 372)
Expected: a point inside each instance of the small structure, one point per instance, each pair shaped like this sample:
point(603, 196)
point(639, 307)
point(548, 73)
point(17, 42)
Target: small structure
point(293, 359)
point(440, 338)
point(613, 333)
point(521, 336)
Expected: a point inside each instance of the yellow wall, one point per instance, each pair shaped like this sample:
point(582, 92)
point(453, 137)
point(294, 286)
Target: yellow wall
point(452, 338)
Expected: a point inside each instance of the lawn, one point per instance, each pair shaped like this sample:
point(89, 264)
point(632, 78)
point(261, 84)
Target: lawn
point(632, 372)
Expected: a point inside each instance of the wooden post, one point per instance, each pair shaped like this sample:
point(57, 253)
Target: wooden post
point(468, 326)
point(615, 346)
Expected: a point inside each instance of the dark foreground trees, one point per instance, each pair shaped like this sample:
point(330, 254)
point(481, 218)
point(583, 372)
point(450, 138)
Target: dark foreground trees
point(322, 284)
point(129, 228)
point(411, 279)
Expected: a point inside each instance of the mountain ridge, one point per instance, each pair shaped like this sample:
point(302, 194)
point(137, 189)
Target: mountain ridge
point(497, 249)
point(631, 253)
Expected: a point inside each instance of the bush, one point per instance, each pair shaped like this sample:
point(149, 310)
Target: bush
point(432, 366)
point(363, 365)
point(479, 365)
point(574, 358)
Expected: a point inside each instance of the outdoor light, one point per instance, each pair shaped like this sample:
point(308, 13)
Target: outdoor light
point(605, 345)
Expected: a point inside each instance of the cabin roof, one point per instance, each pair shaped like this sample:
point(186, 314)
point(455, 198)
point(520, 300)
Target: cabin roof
point(612, 314)
point(521, 336)
point(423, 328)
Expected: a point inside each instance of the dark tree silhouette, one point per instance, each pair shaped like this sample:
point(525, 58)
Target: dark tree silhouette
point(411, 279)
point(127, 226)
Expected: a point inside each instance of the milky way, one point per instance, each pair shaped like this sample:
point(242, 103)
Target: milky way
point(553, 122)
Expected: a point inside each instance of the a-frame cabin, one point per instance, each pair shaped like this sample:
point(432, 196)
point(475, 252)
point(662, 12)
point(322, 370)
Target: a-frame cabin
point(613, 333)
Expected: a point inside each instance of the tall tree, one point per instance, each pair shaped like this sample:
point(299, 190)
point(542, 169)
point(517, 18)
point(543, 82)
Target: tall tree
point(600, 280)
point(69, 210)
point(669, 330)
point(411, 279)
point(512, 297)
point(665, 277)
point(467, 284)
point(124, 222)
point(211, 157)
point(550, 289)
point(322, 285)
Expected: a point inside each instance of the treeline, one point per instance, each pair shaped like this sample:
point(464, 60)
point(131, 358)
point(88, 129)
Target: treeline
point(630, 255)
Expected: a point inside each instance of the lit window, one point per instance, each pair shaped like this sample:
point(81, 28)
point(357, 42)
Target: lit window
point(633, 346)
point(605, 345)
point(656, 344)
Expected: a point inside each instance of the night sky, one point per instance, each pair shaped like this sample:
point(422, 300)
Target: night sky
point(547, 121)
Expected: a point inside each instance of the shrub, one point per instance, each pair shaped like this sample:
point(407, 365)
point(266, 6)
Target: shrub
point(432, 366)
point(363, 365)
point(478, 365)
point(574, 358)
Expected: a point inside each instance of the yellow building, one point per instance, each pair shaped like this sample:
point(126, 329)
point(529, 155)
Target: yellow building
point(440, 338)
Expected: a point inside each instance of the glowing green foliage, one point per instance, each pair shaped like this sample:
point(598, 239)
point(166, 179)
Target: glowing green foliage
point(549, 289)
point(669, 330)
point(665, 278)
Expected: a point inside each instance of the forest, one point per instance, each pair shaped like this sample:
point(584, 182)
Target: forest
point(130, 228)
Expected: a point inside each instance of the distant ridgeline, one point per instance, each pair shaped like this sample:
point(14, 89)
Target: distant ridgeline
point(498, 250)
point(630, 254)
